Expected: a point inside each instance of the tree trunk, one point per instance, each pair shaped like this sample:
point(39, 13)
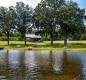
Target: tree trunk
point(8, 38)
point(25, 38)
point(51, 36)
point(65, 40)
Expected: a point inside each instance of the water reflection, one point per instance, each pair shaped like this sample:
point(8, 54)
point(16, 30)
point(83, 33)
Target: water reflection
point(33, 70)
point(16, 65)
point(71, 68)
point(42, 65)
point(14, 57)
point(83, 66)
point(3, 63)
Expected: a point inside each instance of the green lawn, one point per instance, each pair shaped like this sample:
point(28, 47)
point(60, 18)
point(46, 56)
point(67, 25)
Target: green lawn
point(45, 45)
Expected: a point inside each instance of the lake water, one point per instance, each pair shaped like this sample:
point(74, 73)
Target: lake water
point(42, 65)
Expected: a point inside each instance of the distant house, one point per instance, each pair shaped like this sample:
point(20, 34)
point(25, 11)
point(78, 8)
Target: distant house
point(33, 37)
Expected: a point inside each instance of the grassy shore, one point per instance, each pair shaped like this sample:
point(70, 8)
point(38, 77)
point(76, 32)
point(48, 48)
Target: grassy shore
point(45, 45)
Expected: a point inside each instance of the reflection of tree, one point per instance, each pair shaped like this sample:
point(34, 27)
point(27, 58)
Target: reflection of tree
point(32, 67)
point(56, 61)
point(70, 68)
point(22, 67)
point(16, 65)
point(83, 66)
point(51, 60)
point(67, 67)
point(4, 71)
point(52, 70)
point(7, 64)
point(65, 59)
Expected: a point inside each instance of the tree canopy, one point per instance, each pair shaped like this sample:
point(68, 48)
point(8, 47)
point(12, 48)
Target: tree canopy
point(7, 20)
point(23, 18)
point(51, 13)
point(45, 16)
point(50, 17)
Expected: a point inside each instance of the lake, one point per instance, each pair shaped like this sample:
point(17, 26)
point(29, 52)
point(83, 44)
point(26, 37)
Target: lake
point(42, 65)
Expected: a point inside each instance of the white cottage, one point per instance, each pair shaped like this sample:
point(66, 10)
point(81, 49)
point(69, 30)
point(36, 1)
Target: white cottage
point(33, 37)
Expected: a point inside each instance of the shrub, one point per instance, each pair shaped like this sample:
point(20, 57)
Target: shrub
point(83, 37)
point(76, 36)
point(15, 39)
point(3, 38)
point(46, 38)
point(19, 38)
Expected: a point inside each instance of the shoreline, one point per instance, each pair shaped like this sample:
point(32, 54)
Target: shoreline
point(45, 45)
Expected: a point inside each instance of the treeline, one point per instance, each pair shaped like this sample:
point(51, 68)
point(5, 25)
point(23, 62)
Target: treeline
point(52, 19)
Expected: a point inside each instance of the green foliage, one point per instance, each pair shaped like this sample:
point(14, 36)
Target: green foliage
point(46, 37)
point(15, 39)
point(15, 18)
point(45, 16)
point(23, 18)
point(51, 13)
point(76, 36)
point(71, 19)
point(83, 37)
point(52, 17)
point(1, 34)
point(3, 38)
point(7, 16)
point(16, 34)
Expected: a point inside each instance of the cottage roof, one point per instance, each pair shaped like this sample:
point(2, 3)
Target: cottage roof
point(33, 36)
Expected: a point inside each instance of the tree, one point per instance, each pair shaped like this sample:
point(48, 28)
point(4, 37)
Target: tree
point(45, 16)
point(77, 34)
point(83, 37)
point(23, 18)
point(71, 19)
point(7, 20)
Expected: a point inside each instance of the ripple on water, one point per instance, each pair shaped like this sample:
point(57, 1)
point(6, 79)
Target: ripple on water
point(42, 65)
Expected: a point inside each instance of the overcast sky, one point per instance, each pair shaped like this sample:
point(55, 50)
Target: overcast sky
point(33, 3)
point(7, 3)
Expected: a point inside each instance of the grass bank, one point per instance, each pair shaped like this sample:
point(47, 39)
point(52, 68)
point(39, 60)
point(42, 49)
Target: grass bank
point(45, 45)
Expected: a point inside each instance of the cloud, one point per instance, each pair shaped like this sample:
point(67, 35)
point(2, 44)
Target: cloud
point(7, 3)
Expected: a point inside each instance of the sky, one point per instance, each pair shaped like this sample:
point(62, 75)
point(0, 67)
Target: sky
point(82, 3)
point(33, 3)
point(7, 3)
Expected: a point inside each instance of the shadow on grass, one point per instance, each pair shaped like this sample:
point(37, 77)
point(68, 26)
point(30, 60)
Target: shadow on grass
point(55, 45)
point(77, 45)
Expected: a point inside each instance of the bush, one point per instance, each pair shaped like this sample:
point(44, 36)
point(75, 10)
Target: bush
point(3, 38)
point(20, 39)
point(15, 39)
point(46, 38)
point(83, 37)
point(76, 36)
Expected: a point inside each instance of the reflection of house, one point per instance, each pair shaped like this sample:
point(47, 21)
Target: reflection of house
point(33, 37)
